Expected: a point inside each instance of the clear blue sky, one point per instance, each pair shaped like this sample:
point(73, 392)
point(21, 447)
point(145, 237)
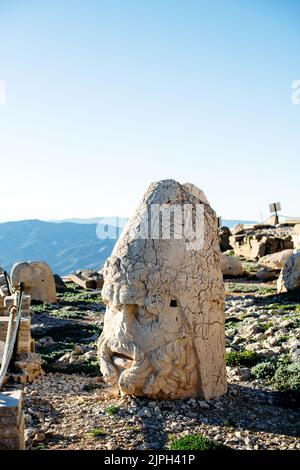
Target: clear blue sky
point(104, 97)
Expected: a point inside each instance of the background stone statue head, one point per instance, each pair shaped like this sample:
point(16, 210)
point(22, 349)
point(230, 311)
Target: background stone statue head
point(163, 332)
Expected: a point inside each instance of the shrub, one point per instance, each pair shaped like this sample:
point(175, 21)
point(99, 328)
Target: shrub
point(287, 378)
point(242, 358)
point(195, 442)
point(264, 370)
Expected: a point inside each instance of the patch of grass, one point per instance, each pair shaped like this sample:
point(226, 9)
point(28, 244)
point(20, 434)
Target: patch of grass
point(242, 358)
point(90, 368)
point(52, 356)
point(40, 308)
point(130, 428)
point(75, 295)
point(250, 267)
point(72, 333)
point(66, 314)
point(283, 307)
point(96, 433)
point(233, 323)
point(195, 442)
point(41, 447)
point(245, 288)
point(112, 410)
point(266, 326)
point(282, 340)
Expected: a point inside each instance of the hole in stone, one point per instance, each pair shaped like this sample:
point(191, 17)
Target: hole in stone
point(173, 303)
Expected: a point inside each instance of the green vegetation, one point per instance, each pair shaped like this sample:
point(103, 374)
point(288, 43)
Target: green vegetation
point(264, 370)
point(249, 288)
point(40, 308)
point(76, 295)
point(282, 340)
point(67, 314)
point(112, 410)
point(72, 333)
point(195, 442)
point(266, 326)
point(250, 267)
point(287, 378)
point(281, 373)
point(89, 367)
point(242, 358)
point(283, 307)
point(95, 433)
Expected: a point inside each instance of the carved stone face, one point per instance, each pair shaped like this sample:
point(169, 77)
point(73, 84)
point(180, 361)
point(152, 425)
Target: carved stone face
point(147, 347)
point(163, 333)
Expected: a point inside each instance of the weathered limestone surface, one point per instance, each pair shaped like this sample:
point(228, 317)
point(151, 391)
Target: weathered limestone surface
point(232, 266)
point(257, 242)
point(11, 421)
point(164, 324)
point(276, 260)
point(87, 279)
point(27, 364)
point(289, 278)
point(38, 279)
point(296, 236)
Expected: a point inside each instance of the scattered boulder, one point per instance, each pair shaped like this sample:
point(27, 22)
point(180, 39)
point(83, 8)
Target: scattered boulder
point(289, 278)
point(231, 266)
point(224, 234)
point(28, 367)
point(276, 261)
point(38, 279)
point(266, 274)
point(296, 237)
point(60, 286)
point(87, 279)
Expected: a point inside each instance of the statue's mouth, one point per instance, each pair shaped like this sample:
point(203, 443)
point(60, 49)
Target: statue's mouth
point(122, 360)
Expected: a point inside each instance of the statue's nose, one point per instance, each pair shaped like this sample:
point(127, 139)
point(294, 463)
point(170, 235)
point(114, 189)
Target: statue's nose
point(128, 313)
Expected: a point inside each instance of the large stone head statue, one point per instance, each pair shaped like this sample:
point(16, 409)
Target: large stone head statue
point(163, 332)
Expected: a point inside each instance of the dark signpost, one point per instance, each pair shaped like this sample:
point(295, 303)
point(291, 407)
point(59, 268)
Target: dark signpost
point(275, 207)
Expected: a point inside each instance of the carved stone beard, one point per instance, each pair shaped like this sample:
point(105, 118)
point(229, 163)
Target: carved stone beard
point(167, 372)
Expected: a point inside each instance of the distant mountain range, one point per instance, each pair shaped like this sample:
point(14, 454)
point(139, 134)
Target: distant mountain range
point(65, 245)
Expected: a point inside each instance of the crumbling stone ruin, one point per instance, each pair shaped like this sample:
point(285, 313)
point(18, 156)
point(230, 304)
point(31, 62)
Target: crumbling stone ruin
point(11, 421)
point(25, 365)
point(38, 279)
point(87, 279)
point(163, 333)
point(257, 241)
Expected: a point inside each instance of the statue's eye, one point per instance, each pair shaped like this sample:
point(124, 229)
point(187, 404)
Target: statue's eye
point(154, 304)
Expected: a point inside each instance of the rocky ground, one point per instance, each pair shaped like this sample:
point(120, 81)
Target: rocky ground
point(71, 408)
